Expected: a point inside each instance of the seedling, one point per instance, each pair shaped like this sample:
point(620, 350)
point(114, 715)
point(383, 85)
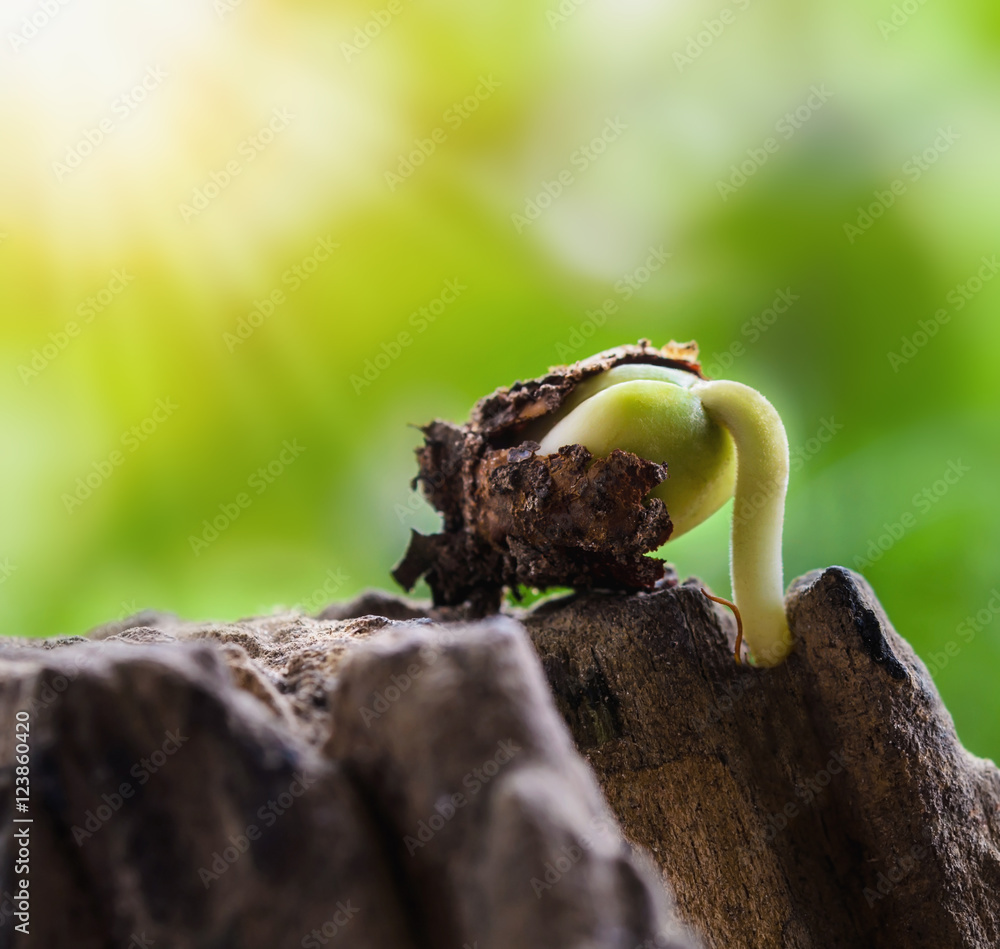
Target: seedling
point(717, 438)
point(573, 478)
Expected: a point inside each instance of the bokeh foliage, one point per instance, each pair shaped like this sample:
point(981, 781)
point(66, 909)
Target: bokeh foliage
point(543, 84)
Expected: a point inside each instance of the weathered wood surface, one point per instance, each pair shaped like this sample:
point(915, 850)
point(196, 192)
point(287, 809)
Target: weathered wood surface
point(824, 803)
point(289, 782)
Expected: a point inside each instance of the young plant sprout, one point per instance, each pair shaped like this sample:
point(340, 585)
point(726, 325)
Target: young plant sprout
point(574, 478)
point(715, 437)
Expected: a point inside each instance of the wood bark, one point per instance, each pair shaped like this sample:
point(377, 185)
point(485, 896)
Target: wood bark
point(437, 782)
point(823, 803)
point(288, 782)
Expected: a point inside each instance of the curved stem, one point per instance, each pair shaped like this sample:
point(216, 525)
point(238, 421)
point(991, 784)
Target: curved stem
point(758, 513)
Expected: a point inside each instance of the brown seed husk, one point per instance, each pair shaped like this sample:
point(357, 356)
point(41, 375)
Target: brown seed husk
point(512, 516)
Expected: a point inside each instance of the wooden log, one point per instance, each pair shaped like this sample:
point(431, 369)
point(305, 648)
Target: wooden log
point(823, 803)
point(287, 782)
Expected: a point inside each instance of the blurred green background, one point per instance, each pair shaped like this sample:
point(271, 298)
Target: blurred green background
point(258, 198)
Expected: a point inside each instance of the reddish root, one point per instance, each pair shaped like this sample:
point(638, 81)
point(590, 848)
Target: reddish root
point(739, 621)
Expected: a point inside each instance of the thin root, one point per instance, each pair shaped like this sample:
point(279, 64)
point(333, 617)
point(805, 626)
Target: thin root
point(739, 621)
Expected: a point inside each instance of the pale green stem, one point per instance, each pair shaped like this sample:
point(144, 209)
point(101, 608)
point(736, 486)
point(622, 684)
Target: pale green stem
point(758, 513)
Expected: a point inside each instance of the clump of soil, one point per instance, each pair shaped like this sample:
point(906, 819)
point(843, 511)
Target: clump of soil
point(515, 517)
